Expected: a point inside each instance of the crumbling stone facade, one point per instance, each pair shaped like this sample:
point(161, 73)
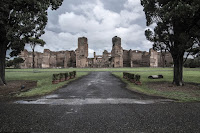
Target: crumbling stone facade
point(100, 61)
point(158, 59)
point(28, 59)
point(49, 59)
point(79, 58)
point(139, 58)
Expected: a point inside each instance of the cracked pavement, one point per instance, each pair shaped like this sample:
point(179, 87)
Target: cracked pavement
point(99, 102)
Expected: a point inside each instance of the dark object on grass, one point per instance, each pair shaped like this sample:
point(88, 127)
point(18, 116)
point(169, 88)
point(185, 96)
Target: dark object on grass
point(155, 77)
point(22, 87)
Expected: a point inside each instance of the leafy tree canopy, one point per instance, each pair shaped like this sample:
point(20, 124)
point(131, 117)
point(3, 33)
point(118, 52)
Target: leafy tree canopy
point(177, 29)
point(19, 20)
point(15, 62)
point(35, 41)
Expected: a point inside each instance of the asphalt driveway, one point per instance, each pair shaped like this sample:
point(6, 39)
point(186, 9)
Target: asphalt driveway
point(99, 102)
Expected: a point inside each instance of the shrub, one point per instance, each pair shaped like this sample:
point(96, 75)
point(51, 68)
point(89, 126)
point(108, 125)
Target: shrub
point(137, 77)
point(124, 74)
point(129, 75)
point(74, 73)
point(54, 77)
point(71, 74)
point(132, 76)
point(62, 75)
point(66, 75)
point(192, 63)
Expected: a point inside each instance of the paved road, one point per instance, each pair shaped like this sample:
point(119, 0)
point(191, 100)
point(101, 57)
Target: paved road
point(99, 102)
point(98, 85)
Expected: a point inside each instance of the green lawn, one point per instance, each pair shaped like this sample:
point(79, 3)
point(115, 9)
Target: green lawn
point(100, 69)
point(91, 69)
point(190, 75)
point(44, 77)
point(44, 85)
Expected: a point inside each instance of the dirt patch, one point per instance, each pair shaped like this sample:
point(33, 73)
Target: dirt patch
point(16, 86)
point(191, 88)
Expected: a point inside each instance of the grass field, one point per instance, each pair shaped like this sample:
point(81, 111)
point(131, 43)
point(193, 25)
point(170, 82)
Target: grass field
point(189, 76)
point(44, 77)
point(44, 85)
point(99, 69)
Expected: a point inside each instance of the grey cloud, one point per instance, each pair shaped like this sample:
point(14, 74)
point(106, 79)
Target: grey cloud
point(114, 5)
point(99, 21)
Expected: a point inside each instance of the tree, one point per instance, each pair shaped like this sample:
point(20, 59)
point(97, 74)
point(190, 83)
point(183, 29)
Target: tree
point(19, 20)
point(33, 43)
point(9, 63)
point(177, 29)
point(192, 63)
point(15, 62)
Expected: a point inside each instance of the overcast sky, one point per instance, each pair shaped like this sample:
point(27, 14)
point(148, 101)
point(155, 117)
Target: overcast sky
point(99, 21)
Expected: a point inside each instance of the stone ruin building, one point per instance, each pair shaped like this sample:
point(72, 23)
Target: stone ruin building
point(49, 59)
point(118, 57)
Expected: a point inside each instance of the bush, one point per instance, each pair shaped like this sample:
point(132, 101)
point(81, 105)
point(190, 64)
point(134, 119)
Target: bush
point(192, 63)
point(55, 77)
point(124, 74)
point(71, 74)
point(62, 75)
point(128, 75)
point(74, 73)
point(137, 77)
point(66, 75)
point(132, 76)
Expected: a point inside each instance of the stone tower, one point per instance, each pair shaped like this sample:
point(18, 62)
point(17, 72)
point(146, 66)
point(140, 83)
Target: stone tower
point(82, 53)
point(117, 52)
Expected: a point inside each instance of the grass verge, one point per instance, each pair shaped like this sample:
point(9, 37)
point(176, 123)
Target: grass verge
point(44, 79)
point(182, 96)
point(135, 69)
